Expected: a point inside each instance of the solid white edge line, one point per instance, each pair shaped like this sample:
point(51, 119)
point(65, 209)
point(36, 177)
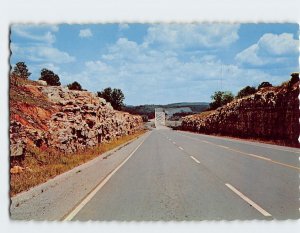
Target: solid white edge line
point(245, 142)
point(226, 147)
point(252, 203)
point(248, 154)
point(74, 212)
point(260, 157)
point(193, 158)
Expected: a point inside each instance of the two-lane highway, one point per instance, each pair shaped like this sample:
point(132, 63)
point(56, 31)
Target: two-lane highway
point(185, 176)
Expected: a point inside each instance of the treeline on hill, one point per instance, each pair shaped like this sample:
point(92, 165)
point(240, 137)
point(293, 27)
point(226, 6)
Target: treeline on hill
point(114, 96)
point(144, 110)
point(148, 110)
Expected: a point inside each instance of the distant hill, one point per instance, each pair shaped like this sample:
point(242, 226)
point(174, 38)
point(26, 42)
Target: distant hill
point(186, 104)
point(183, 108)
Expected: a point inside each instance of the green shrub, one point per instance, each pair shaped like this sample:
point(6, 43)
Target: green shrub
point(50, 77)
point(74, 86)
point(246, 91)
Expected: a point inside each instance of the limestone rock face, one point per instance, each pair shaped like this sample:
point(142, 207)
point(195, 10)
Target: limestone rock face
point(17, 139)
point(271, 113)
point(80, 120)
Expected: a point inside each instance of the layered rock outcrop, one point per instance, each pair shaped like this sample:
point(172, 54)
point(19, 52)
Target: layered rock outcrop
point(271, 113)
point(77, 120)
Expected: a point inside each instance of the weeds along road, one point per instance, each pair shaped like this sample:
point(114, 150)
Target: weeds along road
point(174, 175)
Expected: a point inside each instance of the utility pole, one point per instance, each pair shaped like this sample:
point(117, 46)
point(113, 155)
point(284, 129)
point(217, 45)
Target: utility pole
point(221, 75)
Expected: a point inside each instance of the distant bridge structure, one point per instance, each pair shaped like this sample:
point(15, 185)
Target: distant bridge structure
point(160, 117)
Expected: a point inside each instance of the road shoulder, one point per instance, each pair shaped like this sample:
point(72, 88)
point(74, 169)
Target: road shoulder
point(55, 198)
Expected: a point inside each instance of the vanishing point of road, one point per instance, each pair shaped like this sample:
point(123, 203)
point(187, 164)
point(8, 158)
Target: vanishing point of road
point(175, 175)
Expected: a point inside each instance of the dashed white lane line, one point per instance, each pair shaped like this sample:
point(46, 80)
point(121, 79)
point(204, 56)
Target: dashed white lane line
point(75, 211)
point(174, 142)
point(193, 158)
point(180, 148)
point(250, 202)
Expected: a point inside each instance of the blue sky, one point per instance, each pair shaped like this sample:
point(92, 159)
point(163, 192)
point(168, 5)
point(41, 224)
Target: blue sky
point(160, 63)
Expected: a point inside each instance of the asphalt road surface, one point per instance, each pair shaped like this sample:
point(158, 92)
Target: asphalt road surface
point(172, 175)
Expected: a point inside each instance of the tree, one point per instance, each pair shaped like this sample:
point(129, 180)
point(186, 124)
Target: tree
point(294, 79)
point(227, 97)
point(220, 98)
point(21, 71)
point(264, 84)
point(105, 94)
point(114, 96)
point(246, 91)
point(117, 98)
point(51, 78)
point(74, 86)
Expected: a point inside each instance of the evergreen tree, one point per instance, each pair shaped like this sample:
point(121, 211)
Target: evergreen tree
point(114, 96)
point(74, 86)
point(246, 91)
point(21, 71)
point(51, 78)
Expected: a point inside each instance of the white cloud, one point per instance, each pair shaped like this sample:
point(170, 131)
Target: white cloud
point(54, 67)
point(270, 49)
point(162, 76)
point(41, 53)
point(192, 35)
point(85, 33)
point(250, 56)
point(42, 33)
point(123, 26)
point(283, 44)
point(40, 45)
point(36, 69)
point(96, 66)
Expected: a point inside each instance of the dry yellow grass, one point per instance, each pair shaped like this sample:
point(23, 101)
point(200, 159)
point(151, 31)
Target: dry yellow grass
point(202, 114)
point(42, 166)
point(206, 113)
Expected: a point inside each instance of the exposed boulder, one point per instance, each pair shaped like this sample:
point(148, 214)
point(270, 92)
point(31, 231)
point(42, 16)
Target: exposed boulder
point(17, 140)
point(17, 148)
point(42, 82)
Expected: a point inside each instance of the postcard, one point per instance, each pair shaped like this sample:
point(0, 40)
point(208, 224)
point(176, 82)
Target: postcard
point(154, 121)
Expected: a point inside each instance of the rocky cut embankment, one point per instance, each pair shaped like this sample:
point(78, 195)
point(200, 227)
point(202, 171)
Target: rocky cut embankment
point(272, 113)
point(66, 121)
